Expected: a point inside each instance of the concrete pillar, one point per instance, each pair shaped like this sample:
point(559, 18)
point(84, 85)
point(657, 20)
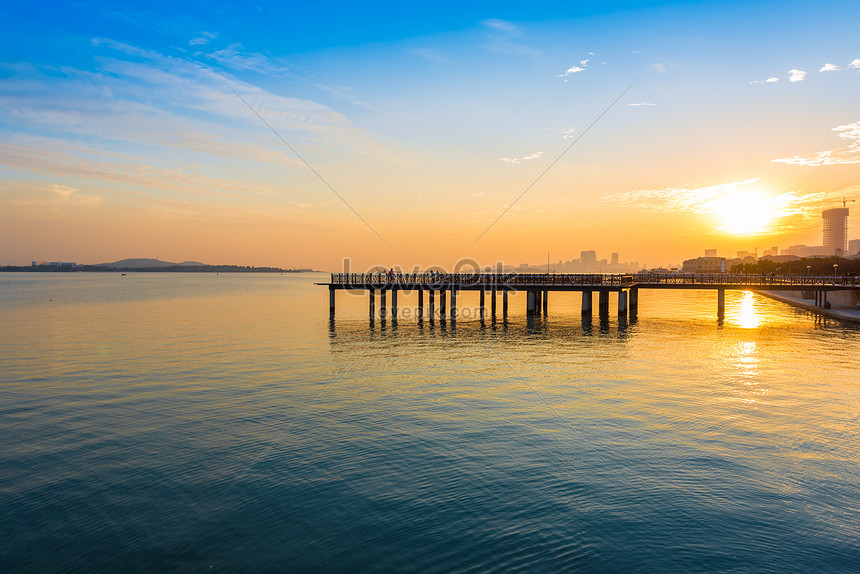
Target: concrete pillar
point(603, 302)
point(622, 303)
point(530, 301)
point(545, 301)
point(482, 304)
point(721, 303)
point(420, 303)
point(505, 303)
point(331, 299)
point(431, 294)
point(493, 302)
point(442, 303)
point(453, 303)
point(634, 301)
point(372, 299)
point(394, 303)
point(586, 303)
point(382, 302)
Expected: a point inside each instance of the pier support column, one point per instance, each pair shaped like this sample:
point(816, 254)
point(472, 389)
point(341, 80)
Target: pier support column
point(482, 304)
point(431, 294)
point(538, 301)
point(721, 303)
point(586, 303)
point(545, 301)
point(453, 304)
point(420, 303)
point(372, 300)
point(531, 297)
point(442, 304)
point(394, 303)
point(382, 303)
point(603, 302)
point(493, 302)
point(634, 301)
point(622, 303)
point(331, 300)
point(505, 304)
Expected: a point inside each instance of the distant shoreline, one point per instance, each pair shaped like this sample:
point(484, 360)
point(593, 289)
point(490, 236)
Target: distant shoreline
point(164, 269)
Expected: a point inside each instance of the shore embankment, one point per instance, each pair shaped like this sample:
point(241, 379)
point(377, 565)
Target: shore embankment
point(839, 309)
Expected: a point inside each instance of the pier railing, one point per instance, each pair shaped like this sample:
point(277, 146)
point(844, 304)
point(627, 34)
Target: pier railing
point(596, 280)
point(498, 280)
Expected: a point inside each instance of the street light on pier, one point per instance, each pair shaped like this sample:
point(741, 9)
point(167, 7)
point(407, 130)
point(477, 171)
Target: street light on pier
point(835, 266)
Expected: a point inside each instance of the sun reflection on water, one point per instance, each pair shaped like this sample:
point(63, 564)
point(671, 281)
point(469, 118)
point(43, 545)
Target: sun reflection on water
point(745, 313)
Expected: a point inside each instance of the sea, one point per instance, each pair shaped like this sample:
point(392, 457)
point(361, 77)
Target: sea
point(202, 422)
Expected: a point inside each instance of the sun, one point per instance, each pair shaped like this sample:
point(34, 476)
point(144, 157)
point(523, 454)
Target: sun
point(744, 212)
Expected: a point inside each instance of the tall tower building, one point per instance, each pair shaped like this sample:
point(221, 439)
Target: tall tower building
point(835, 230)
point(588, 260)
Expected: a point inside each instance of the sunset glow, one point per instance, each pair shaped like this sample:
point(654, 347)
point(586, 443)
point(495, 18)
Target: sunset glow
point(293, 135)
point(746, 213)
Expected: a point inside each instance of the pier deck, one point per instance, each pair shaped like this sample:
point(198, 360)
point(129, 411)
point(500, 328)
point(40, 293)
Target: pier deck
point(538, 285)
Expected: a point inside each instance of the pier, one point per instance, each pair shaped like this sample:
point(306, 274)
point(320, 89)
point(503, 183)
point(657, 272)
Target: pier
point(537, 287)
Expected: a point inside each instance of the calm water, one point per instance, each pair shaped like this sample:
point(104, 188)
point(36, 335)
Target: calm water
point(172, 422)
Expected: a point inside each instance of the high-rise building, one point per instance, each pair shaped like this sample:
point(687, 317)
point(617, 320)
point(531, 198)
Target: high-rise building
point(853, 247)
point(835, 230)
point(588, 260)
point(710, 252)
point(613, 259)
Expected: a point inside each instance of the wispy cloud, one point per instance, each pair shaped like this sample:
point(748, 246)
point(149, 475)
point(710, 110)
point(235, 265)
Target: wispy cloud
point(763, 82)
point(829, 68)
point(640, 104)
point(516, 160)
point(796, 75)
point(430, 55)
point(507, 38)
point(854, 63)
point(787, 209)
point(235, 57)
point(203, 39)
point(48, 195)
point(840, 156)
point(682, 199)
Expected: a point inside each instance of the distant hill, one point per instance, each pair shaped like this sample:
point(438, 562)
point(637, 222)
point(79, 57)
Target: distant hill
point(147, 264)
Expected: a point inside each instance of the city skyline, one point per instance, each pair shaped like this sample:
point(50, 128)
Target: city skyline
point(423, 138)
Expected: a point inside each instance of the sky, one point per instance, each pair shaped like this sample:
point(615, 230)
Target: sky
point(406, 134)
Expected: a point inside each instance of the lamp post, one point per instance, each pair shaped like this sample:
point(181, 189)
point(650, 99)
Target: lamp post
point(835, 266)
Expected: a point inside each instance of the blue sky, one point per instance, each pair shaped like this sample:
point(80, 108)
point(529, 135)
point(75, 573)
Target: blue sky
point(123, 137)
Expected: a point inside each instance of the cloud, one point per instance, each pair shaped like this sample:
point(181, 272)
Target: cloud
point(567, 133)
point(145, 97)
point(763, 82)
point(233, 56)
point(430, 55)
point(506, 38)
point(502, 26)
point(640, 104)
point(58, 161)
point(516, 160)
point(683, 199)
point(796, 75)
point(789, 206)
point(829, 68)
point(202, 39)
point(840, 156)
point(50, 195)
point(571, 70)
